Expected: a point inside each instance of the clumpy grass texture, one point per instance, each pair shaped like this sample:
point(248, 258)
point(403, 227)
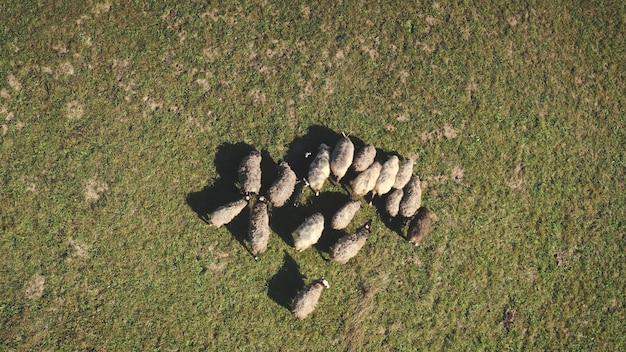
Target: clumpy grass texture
point(123, 121)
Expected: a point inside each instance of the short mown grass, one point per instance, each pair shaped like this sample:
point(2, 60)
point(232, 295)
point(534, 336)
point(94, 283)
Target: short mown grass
point(121, 122)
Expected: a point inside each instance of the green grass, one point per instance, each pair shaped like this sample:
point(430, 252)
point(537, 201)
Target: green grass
point(142, 102)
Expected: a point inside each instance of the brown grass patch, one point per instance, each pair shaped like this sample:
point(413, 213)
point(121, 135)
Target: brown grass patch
point(446, 131)
point(457, 174)
point(74, 110)
point(35, 287)
point(80, 249)
point(14, 83)
point(94, 190)
point(67, 68)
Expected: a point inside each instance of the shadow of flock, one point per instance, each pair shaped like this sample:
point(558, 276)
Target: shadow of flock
point(292, 190)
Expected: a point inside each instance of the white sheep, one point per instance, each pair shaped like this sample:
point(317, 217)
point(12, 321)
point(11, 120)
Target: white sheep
point(344, 215)
point(349, 246)
point(249, 173)
point(226, 213)
point(364, 158)
point(259, 228)
point(280, 191)
point(309, 232)
point(305, 301)
point(412, 198)
point(404, 174)
point(392, 205)
point(366, 180)
point(319, 170)
point(387, 176)
point(342, 157)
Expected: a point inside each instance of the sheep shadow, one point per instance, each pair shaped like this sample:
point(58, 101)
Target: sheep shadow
point(283, 287)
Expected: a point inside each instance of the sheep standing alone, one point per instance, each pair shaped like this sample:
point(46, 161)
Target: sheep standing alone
point(344, 215)
point(419, 226)
point(387, 176)
point(364, 158)
point(412, 198)
point(259, 228)
point(392, 205)
point(309, 232)
point(319, 171)
point(404, 174)
point(226, 213)
point(349, 246)
point(342, 157)
point(366, 180)
point(280, 191)
point(249, 173)
point(305, 301)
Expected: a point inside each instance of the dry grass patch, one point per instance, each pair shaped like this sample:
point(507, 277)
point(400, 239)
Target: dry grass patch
point(35, 287)
point(74, 110)
point(14, 83)
point(94, 190)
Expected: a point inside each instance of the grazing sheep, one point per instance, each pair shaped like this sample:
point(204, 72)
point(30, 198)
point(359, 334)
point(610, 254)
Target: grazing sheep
point(344, 215)
point(309, 232)
point(349, 246)
point(393, 202)
point(307, 298)
point(419, 226)
point(259, 228)
point(366, 180)
point(319, 171)
point(249, 173)
point(342, 157)
point(226, 213)
point(280, 191)
point(404, 174)
point(412, 198)
point(364, 158)
point(387, 176)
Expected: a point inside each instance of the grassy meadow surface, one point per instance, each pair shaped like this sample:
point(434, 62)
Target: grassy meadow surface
point(123, 122)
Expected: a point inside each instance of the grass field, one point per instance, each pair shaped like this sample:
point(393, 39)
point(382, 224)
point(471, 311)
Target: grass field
point(122, 122)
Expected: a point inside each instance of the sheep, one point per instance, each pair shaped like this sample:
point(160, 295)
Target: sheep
point(387, 176)
point(249, 173)
point(305, 301)
point(342, 157)
point(419, 226)
point(319, 171)
point(309, 232)
point(412, 198)
point(280, 191)
point(364, 158)
point(348, 246)
point(404, 174)
point(259, 228)
point(366, 180)
point(344, 215)
point(226, 213)
point(393, 202)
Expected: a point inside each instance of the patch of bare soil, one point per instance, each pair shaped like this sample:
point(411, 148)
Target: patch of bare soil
point(74, 110)
point(446, 131)
point(35, 287)
point(94, 190)
point(80, 249)
point(14, 83)
point(67, 68)
point(457, 174)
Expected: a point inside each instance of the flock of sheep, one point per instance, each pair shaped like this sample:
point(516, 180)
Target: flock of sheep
point(389, 178)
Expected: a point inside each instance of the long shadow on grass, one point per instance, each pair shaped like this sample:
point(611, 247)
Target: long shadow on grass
point(224, 189)
point(283, 287)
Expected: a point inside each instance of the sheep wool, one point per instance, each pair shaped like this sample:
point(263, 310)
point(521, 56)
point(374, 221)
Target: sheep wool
point(342, 157)
point(226, 213)
point(319, 171)
point(364, 158)
point(349, 246)
point(309, 232)
point(366, 180)
point(249, 173)
point(419, 226)
point(305, 301)
point(387, 176)
point(344, 215)
point(404, 174)
point(392, 205)
point(282, 189)
point(259, 228)
point(412, 198)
